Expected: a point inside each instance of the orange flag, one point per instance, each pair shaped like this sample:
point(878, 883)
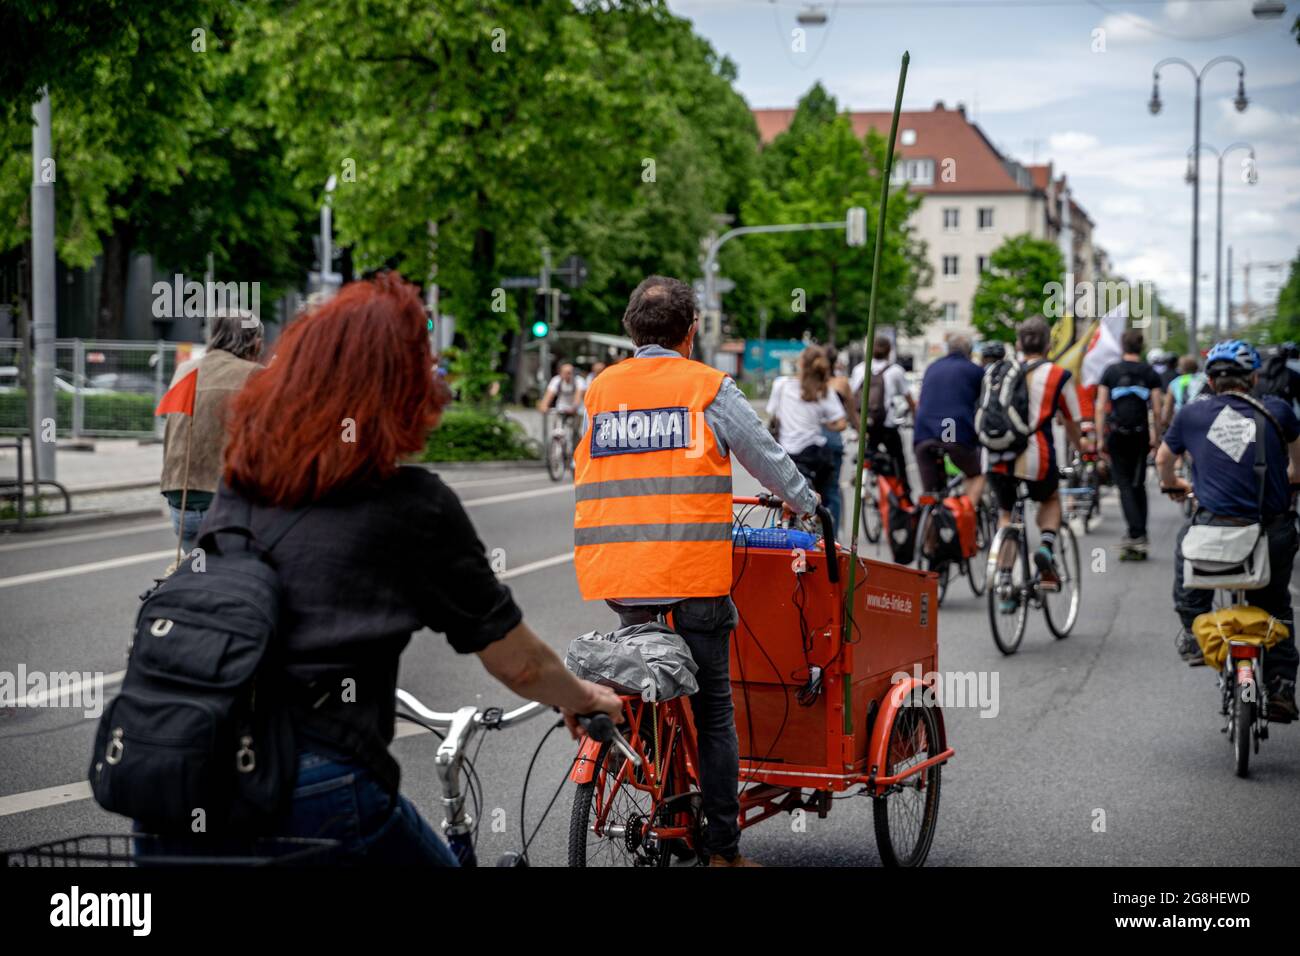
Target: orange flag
point(180, 397)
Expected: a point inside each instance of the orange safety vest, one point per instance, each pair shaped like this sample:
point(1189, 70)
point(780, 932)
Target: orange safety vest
point(653, 515)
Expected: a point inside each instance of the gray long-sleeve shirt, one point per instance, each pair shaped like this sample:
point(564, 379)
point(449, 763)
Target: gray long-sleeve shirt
point(738, 431)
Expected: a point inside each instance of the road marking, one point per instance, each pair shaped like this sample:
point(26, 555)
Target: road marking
point(518, 496)
point(71, 689)
point(536, 566)
point(510, 479)
point(73, 570)
point(40, 799)
point(88, 536)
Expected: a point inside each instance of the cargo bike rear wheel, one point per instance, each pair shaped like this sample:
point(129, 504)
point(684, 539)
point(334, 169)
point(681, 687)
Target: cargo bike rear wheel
point(907, 812)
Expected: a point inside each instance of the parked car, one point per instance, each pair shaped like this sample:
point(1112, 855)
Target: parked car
point(137, 383)
point(11, 381)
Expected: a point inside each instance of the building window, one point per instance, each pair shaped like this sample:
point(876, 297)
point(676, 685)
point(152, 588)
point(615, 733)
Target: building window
point(950, 267)
point(951, 219)
point(950, 313)
point(908, 137)
point(981, 264)
point(986, 218)
point(917, 172)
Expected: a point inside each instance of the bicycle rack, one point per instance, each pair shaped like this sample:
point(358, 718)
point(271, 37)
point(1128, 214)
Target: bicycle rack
point(16, 488)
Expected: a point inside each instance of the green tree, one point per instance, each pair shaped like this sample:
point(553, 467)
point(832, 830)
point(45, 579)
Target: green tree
point(161, 145)
point(813, 172)
point(1016, 286)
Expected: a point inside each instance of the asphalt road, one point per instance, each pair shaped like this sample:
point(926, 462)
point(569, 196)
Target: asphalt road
point(1108, 721)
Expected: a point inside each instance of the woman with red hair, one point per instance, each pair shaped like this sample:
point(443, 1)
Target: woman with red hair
point(378, 552)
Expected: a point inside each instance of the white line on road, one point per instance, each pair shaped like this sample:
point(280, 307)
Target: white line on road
point(535, 566)
point(88, 536)
point(518, 496)
point(54, 573)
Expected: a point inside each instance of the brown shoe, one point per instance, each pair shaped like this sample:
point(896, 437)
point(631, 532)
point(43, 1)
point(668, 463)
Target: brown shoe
point(737, 860)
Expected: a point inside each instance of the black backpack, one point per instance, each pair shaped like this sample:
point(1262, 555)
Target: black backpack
point(1275, 379)
point(877, 408)
point(1002, 419)
point(200, 737)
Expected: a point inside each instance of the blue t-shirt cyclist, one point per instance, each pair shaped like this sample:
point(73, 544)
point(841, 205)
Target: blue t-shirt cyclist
point(1219, 431)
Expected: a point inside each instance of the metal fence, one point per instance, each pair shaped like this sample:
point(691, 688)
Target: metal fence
point(101, 388)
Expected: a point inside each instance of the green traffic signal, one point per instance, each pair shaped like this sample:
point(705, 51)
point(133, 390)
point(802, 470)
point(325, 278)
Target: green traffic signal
point(540, 329)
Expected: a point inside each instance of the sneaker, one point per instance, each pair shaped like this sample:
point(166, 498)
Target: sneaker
point(1281, 701)
point(1188, 649)
point(1047, 576)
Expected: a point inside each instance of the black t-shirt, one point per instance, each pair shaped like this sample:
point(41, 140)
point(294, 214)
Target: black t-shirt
point(360, 572)
point(1130, 385)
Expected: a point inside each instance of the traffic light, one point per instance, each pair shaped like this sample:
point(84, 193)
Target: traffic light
point(540, 329)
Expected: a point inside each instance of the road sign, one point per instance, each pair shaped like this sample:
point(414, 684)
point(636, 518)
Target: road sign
point(574, 271)
point(521, 282)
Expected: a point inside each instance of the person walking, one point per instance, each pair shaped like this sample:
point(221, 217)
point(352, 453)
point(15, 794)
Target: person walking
point(1129, 404)
point(888, 404)
point(840, 388)
point(193, 444)
point(805, 410)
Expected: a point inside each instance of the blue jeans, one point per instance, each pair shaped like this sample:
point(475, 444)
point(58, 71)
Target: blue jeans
point(335, 800)
point(193, 518)
point(705, 624)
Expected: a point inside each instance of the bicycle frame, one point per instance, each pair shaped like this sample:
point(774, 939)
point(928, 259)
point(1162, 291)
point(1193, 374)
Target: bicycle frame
point(460, 727)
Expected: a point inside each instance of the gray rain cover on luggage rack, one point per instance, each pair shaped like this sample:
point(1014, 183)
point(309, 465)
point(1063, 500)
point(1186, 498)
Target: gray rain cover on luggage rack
point(645, 659)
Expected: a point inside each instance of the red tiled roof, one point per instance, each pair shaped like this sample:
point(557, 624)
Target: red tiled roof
point(1042, 175)
point(940, 134)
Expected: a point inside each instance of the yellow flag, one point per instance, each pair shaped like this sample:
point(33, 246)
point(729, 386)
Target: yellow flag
point(1062, 337)
point(1072, 357)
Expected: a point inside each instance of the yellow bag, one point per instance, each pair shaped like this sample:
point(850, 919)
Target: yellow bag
point(1241, 622)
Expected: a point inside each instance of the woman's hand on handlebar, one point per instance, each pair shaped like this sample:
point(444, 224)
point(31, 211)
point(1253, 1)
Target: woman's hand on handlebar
point(787, 512)
point(601, 700)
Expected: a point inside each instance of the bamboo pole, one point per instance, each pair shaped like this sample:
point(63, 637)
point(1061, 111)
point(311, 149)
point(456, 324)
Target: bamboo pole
point(185, 488)
point(866, 380)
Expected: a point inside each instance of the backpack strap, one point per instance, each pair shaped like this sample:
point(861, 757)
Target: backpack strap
point(1261, 466)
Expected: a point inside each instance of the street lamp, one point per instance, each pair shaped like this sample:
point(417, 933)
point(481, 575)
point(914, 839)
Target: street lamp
point(1240, 102)
point(1218, 219)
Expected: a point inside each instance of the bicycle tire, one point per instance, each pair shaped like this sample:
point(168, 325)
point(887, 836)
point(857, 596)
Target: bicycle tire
point(1007, 634)
point(891, 852)
point(1243, 720)
point(580, 819)
point(871, 523)
point(977, 579)
point(555, 463)
point(1067, 551)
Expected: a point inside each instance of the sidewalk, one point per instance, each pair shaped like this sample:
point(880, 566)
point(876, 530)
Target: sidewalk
point(115, 463)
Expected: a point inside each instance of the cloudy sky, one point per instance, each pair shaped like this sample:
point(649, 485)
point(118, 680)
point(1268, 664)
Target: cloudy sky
point(1034, 76)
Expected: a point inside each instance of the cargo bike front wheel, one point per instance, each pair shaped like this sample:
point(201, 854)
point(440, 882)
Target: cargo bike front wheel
point(906, 810)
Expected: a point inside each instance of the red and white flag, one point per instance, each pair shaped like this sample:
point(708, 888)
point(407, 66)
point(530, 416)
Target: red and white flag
point(180, 397)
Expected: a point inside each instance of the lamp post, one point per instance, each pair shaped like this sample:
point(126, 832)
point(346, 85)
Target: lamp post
point(1154, 105)
point(1251, 178)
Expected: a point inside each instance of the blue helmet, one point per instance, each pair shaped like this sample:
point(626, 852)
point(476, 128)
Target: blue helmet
point(1232, 355)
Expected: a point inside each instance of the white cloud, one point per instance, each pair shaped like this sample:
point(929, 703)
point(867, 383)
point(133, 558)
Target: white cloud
point(1072, 142)
point(1258, 121)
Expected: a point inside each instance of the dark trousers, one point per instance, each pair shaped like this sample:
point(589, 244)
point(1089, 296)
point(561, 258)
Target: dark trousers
point(834, 499)
point(891, 440)
point(705, 624)
point(1281, 659)
point(816, 464)
point(1128, 456)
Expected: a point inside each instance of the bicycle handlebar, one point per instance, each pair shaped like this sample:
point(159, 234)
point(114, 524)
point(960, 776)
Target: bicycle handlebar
point(600, 728)
point(765, 500)
point(442, 720)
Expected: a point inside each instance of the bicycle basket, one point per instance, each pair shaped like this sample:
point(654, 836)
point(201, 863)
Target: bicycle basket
point(145, 850)
point(647, 660)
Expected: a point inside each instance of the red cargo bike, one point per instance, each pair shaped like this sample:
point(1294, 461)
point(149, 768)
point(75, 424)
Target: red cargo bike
point(817, 715)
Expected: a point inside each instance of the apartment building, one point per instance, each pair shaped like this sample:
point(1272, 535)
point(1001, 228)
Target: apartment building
point(974, 199)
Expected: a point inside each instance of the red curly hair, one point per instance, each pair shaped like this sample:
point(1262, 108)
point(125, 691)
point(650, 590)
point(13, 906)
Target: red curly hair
point(349, 393)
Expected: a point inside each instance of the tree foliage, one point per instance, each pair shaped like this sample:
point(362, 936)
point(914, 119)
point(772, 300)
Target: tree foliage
point(1015, 286)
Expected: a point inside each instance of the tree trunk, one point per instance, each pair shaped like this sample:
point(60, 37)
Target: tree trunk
point(110, 320)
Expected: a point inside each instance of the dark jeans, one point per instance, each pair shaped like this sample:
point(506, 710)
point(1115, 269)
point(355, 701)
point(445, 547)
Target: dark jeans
point(193, 518)
point(891, 440)
point(833, 499)
point(334, 800)
point(1128, 456)
point(817, 465)
point(1281, 659)
point(705, 624)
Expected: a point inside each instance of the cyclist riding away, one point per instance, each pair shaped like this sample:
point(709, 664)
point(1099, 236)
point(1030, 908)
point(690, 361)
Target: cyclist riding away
point(945, 419)
point(653, 522)
point(1220, 432)
point(565, 393)
point(1049, 397)
point(1132, 389)
point(1187, 387)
